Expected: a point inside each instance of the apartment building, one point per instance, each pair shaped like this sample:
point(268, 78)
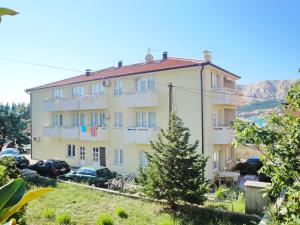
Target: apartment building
point(108, 117)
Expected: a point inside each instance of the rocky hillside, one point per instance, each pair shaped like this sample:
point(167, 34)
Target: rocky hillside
point(267, 97)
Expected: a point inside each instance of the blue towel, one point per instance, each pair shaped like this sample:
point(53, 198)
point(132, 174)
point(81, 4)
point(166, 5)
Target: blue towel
point(83, 129)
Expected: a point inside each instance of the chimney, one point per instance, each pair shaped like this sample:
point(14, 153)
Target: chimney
point(149, 57)
point(207, 56)
point(120, 63)
point(88, 72)
point(165, 55)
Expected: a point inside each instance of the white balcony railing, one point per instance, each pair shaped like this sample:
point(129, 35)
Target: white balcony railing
point(62, 104)
point(225, 96)
point(141, 99)
point(93, 102)
point(69, 132)
point(222, 135)
point(134, 135)
point(51, 131)
point(101, 134)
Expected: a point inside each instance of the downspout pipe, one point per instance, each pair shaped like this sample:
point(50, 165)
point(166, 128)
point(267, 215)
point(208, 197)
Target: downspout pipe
point(202, 116)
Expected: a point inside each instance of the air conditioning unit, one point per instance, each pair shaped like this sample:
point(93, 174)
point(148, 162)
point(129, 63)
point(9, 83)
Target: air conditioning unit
point(106, 83)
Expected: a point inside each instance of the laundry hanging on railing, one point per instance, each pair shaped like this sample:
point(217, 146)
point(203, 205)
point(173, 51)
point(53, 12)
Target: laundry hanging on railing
point(94, 131)
point(83, 129)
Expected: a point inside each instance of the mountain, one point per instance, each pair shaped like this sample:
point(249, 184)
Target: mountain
point(263, 97)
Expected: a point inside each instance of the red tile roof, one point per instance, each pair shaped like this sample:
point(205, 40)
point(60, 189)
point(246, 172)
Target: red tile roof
point(157, 65)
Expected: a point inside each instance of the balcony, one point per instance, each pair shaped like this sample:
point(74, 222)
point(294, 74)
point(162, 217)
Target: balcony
point(222, 135)
point(62, 104)
point(133, 135)
point(225, 96)
point(69, 133)
point(101, 135)
point(51, 132)
point(93, 102)
point(141, 99)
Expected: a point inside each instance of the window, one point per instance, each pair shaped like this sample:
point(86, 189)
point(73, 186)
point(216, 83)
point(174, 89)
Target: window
point(118, 119)
point(117, 88)
point(98, 119)
point(82, 153)
point(229, 153)
point(97, 89)
point(143, 159)
point(215, 161)
point(216, 117)
point(145, 119)
point(71, 151)
point(144, 84)
point(58, 93)
point(78, 91)
point(57, 120)
point(95, 155)
point(78, 119)
point(119, 156)
point(215, 80)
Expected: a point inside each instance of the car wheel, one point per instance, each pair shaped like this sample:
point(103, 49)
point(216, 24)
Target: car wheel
point(93, 184)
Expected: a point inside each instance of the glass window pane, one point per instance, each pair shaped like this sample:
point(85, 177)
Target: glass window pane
point(138, 119)
point(151, 83)
point(152, 119)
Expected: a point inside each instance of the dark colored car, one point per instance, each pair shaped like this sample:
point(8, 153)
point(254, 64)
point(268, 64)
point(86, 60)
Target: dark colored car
point(22, 162)
point(95, 176)
point(50, 168)
point(251, 166)
point(9, 151)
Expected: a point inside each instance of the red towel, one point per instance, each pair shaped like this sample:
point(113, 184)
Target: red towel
point(94, 131)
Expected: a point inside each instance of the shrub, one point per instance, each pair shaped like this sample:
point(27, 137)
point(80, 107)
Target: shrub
point(166, 222)
point(49, 214)
point(63, 219)
point(105, 219)
point(121, 213)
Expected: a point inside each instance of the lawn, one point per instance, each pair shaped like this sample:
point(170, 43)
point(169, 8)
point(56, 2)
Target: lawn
point(84, 206)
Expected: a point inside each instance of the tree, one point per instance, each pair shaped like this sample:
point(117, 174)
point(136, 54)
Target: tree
point(6, 11)
point(175, 171)
point(12, 127)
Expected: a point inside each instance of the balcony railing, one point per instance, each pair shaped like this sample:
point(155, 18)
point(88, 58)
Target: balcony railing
point(62, 104)
point(225, 96)
point(141, 99)
point(69, 132)
point(51, 131)
point(101, 134)
point(134, 135)
point(222, 135)
point(93, 102)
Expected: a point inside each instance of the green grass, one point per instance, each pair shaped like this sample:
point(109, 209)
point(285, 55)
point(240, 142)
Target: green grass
point(85, 205)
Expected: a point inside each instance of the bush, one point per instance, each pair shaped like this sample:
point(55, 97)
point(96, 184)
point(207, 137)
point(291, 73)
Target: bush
point(121, 213)
point(11, 170)
point(166, 222)
point(105, 219)
point(49, 214)
point(63, 219)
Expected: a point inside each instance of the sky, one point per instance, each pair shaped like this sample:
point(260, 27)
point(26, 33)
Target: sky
point(256, 39)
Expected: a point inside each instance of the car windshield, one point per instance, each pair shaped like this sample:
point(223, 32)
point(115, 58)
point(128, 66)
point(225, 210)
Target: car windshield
point(253, 160)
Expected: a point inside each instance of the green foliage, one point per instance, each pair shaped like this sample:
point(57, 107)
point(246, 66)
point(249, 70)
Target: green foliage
point(11, 169)
point(268, 104)
point(175, 171)
point(6, 12)
point(12, 126)
point(293, 97)
point(49, 213)
point(105, 219)
point(64, 219)
point(167, 221)
point(121, 213)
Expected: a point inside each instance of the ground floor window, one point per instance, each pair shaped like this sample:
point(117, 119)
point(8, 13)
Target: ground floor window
point(229, 153)
point(143, 159)
point(118, 159)
point(95, 154)
point(82, 153)
point(70, 150)
point(215, 159)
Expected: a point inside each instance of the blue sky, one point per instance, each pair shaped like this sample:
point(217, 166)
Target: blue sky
point(257, 39)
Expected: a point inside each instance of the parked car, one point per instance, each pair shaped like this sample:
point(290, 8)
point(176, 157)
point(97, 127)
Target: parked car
point(251, 166)
point(22, 162)
point(50, 168)
point(9, 151)
point(95, 176)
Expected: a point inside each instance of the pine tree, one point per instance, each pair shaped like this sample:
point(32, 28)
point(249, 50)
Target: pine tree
point(175, 171)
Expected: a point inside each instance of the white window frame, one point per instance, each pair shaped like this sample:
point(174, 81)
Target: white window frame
point(142, 120)
point(78, 119)
point(216, 80)
point(229, 154)
point(57, 120)
point(96, 154)
point(71, 151)
point(143, 160)
point(216, 117)
point(143, 84)
point(118, 156)
point(118, 120)
point(97, 89)
point(78, 91)
point(82, 153)
point(97, 119)
point(215, 161)
point(58, 93)
point(117, 88)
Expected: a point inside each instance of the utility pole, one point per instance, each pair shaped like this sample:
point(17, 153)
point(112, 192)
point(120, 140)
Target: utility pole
point(170, 97)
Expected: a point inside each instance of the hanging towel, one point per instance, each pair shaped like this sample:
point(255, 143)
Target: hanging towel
point(83, 129)
point(94, 131)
